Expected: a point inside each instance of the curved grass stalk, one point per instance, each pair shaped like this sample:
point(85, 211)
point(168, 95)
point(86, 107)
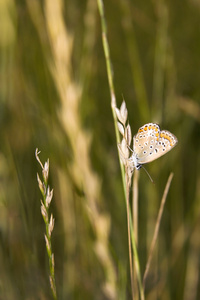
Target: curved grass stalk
point(155, 235)
point(125, 184)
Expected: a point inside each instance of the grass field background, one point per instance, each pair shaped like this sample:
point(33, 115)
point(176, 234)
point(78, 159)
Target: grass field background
point(54, 96)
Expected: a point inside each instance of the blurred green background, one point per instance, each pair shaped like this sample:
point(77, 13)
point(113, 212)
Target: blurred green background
point(54, 96)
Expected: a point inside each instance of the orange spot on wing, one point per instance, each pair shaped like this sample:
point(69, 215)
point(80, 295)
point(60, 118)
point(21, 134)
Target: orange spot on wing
point(167, 137)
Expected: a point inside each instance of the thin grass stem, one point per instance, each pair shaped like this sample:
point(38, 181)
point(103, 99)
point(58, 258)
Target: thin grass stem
point(135, 204)
point(129, 234)
point(135, 219)
point(110, 79)
point(125, 183)
point(136, 261)
point(47, 196)
point(155, 235)
point(113, 106)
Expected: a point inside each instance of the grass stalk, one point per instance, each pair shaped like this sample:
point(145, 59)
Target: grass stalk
point(132, 241)
point(110, 79)
point(126, 185)
point(135, 254)
point(113, 106)
point(155, 235)
point(129, 234)
point(135, 218)
point(107, 54)
point(47, 196)
point(136, 262)
point(135, 204)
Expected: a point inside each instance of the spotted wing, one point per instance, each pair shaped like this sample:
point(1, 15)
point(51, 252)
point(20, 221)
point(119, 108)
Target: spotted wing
point(150, 143)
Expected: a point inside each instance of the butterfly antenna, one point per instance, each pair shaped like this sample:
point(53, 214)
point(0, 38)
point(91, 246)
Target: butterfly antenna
point(148, 174)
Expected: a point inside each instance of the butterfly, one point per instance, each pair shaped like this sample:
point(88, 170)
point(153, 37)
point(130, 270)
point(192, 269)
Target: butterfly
point(150, 143)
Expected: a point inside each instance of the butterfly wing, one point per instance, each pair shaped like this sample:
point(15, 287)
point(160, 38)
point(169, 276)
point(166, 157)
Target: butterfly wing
point(150, 143)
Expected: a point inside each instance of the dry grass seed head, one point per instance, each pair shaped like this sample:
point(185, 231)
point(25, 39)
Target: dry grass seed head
point(123, 112)
point(128, 134)
point(121, 128)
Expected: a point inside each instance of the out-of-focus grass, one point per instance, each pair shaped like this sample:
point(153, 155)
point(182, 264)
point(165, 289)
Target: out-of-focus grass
point(54, 96)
